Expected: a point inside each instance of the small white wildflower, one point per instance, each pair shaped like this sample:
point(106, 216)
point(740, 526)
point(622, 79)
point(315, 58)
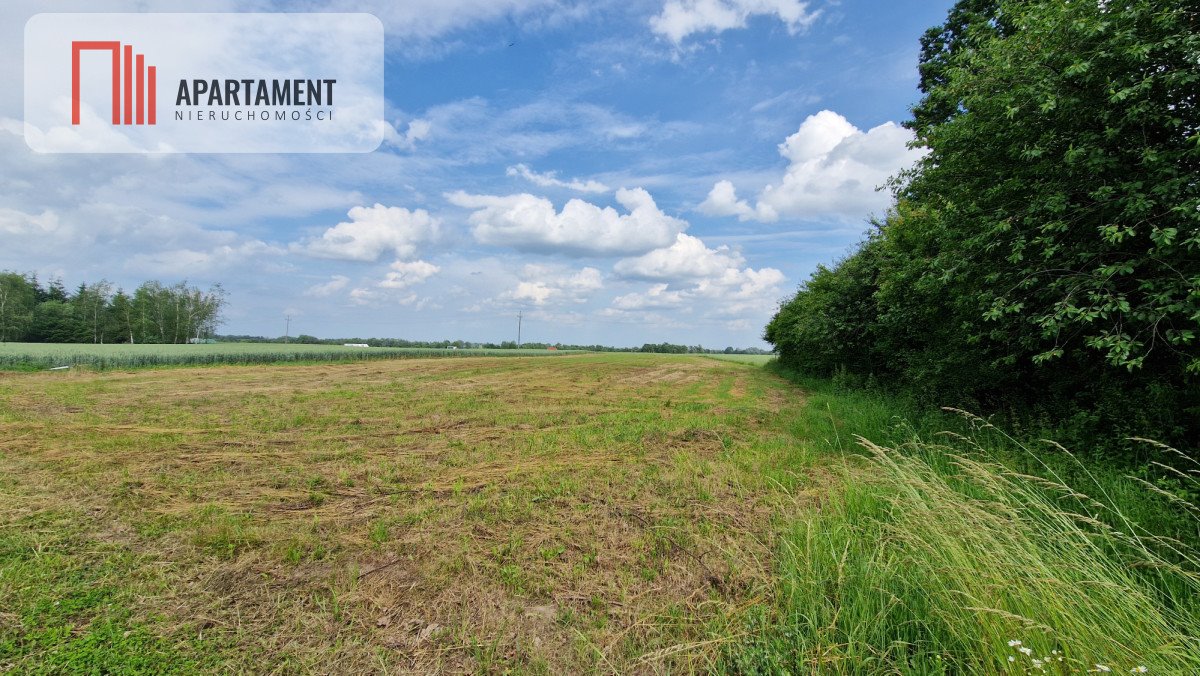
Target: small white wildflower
point(1011, 658)
point(1037, 663)
point(1026, 651)
point(1139, 669)
point(1053, 652)
point(1014, 643)
point(1103, 668)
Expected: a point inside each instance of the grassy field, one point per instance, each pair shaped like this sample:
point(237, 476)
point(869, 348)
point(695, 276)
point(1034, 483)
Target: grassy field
point(619, 513)
point(947, 546)
point(580, 514)
point(40, 356)
point(755, 359)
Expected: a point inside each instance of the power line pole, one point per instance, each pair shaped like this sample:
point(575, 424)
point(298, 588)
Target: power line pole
point(287, 331)
point(519, 316)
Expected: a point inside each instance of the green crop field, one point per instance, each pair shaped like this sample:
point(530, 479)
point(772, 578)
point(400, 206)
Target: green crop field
point(38, 356)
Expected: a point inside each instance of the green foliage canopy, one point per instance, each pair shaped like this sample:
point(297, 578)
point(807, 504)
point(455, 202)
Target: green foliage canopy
point(1048, 244)
point(96, 314)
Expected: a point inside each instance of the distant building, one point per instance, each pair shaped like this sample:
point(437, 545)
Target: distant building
point(551, 347)
point(355, 345)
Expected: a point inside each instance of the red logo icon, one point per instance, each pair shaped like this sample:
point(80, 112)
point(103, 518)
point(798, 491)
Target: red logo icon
point(145, 82)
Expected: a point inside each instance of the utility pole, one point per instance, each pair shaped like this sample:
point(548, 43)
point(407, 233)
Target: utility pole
point(287, 331)
point(519, 315)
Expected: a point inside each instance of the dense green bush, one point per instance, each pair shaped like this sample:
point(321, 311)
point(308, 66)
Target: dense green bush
point(1044, 256)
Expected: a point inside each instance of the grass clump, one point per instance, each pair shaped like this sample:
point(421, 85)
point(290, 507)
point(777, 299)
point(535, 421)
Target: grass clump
point(940, 559)
point(69, 604)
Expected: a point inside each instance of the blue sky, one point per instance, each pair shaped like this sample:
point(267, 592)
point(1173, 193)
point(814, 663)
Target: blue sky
point(620, 172)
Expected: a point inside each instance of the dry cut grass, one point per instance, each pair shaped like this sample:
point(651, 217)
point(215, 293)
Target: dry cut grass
point(582, 514)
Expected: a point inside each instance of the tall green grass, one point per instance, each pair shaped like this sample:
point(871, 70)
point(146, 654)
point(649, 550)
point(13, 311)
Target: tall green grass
point(933, 556)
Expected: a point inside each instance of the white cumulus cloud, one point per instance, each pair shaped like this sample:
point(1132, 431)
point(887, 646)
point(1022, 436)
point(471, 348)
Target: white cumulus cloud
point(689, 273)
point(394, 288)
point(657, 297)
point(372, 232)
point(541, 285)
point(18, 223)
point(550, 180)
point(834, 171)
point(191, 260)
point(681, 18)
point(405, 274)
point(722, 200)
point(743, 286)
point(687, 258)
point(335, 284)
point(529, 223)
point(418, 130)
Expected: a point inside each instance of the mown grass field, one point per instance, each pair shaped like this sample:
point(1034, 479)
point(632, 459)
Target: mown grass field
point(40, 356)
point(619, 513)
point(755, 359)
point(571, 515)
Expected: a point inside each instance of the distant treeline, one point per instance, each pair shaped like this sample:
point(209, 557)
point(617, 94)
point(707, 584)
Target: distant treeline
point(662, 348)
point(1043, 259)
point(102, 313)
